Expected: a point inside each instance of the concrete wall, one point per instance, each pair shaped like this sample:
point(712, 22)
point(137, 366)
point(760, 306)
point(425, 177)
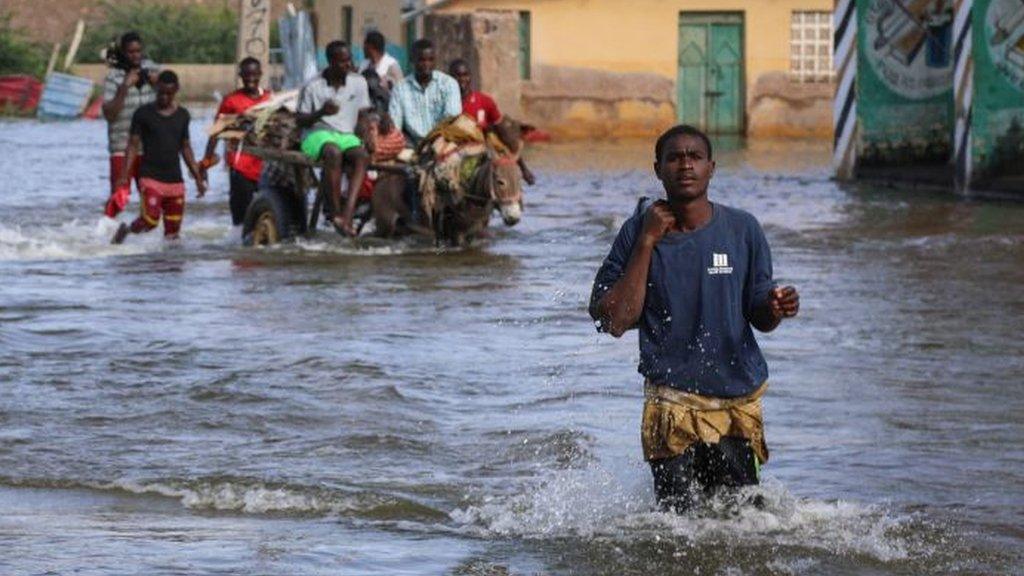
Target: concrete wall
point(779, 106)
point(488, 41)
point(602, 69)
point(198, 81)
point(382, 15)
point(576, 103)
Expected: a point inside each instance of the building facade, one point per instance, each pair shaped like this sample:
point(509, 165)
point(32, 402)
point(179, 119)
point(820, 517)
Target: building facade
point(612, 69)
point(350, 20)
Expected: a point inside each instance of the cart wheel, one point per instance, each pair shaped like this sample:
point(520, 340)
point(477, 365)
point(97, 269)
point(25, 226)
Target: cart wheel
point(267, 221)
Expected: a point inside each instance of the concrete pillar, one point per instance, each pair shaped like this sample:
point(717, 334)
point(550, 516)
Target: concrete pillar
point(844, 105)
point(488, 41)
point(990, 97)
point(963, 86)
point(254, 31)
point(904, 90)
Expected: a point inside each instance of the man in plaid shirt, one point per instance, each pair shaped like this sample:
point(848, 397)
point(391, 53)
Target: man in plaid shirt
point(419, 102)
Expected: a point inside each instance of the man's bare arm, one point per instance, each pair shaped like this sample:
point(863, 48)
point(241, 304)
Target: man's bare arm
point(193, 168)
point(305, 120)
point(620, 308)
point(130, 155)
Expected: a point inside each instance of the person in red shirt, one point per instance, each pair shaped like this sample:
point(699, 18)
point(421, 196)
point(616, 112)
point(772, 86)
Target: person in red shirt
point(482, 108)
point(245, 168)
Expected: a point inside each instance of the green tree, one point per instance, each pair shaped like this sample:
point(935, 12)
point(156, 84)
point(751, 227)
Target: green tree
point(194, 34)
point(19, 55)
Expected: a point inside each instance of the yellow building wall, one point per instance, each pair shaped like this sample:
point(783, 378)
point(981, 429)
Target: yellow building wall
point(632, 44)
point(643, 35)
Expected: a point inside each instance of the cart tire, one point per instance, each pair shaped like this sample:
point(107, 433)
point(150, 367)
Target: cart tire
point(268, 220)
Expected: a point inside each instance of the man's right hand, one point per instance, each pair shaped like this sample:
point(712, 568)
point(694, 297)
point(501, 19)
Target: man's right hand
point(131, 78)
point(329, 108)
point(658, 221)
point(206, 163)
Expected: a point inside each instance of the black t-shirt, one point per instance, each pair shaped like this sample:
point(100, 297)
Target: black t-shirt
point(162, 141)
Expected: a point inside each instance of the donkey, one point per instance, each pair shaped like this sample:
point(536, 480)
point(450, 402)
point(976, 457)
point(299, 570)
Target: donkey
point(456, 217)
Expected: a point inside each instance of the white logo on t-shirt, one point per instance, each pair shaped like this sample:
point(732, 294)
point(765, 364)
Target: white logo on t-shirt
point(720, 264)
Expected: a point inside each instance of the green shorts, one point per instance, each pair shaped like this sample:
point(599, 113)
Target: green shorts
point(313, 144)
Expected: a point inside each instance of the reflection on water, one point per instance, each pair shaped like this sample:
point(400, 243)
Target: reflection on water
point(329, 407)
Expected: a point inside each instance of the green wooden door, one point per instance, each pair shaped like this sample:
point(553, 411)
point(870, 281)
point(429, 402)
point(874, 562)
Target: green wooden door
point(693, 48)
point(710, 82)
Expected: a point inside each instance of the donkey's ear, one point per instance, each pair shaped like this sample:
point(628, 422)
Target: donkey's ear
point(510, 121)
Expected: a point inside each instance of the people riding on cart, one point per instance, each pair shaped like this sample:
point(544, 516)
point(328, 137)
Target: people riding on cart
point(328, 110)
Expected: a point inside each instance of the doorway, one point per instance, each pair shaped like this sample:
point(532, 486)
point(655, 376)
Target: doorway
point(710, 79)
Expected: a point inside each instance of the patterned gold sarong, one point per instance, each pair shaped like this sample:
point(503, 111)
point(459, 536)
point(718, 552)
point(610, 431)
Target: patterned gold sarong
point(674, 420)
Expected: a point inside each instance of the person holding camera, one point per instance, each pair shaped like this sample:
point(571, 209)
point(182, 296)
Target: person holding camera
point(129, 84)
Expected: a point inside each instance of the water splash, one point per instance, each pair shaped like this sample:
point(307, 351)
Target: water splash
point(84, 239)
point(593, 504)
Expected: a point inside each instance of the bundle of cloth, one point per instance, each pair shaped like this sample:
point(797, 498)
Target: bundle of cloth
point(449, 157)
point(269, 124)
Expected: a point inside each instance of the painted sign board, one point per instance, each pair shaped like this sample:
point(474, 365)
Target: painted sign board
point(254, 31)
point(997, 139)
point(904, 82)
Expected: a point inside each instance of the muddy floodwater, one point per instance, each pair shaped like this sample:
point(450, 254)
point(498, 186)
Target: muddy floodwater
point(322, 408)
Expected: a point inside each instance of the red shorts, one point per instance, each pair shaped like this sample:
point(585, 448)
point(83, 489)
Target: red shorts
point(366, 190)
point(165, 199)
point(119, 198)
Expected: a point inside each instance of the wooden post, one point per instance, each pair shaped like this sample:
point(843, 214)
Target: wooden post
point(69, 59)
point(53, 59)
point(844, 106)
point(254, 31)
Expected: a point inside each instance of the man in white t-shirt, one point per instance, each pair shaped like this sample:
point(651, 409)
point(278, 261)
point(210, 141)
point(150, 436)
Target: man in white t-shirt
point(328, 110)
point(387, 68)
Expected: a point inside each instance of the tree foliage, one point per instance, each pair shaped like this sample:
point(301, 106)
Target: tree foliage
point(18, 55)
point(194, 34)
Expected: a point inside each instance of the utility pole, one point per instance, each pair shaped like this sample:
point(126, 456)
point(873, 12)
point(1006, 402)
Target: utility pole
point(254, 31)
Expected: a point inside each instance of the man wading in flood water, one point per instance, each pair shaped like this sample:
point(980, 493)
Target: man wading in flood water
point(694, 277)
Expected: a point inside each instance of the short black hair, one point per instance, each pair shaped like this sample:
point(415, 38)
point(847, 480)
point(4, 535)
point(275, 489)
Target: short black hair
point(375, 40)
point(455, 64)
point(680, 130)
point(335, 46)
point(419, 46)
point(127, 38)
point(248, 61)
point(167, 77)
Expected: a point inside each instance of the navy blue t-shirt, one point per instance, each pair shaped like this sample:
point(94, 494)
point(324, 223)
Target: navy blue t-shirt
point(695, 332)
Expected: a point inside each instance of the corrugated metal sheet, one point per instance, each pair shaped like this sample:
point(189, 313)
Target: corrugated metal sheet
point(64, 96)
point(21, 92)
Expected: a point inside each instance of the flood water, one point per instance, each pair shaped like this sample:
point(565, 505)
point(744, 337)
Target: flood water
point(319, 408)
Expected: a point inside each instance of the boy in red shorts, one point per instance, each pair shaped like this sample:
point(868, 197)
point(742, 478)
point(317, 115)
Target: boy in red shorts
point(162, 130)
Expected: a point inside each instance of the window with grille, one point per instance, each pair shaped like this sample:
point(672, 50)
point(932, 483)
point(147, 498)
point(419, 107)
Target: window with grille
point(810, 46)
